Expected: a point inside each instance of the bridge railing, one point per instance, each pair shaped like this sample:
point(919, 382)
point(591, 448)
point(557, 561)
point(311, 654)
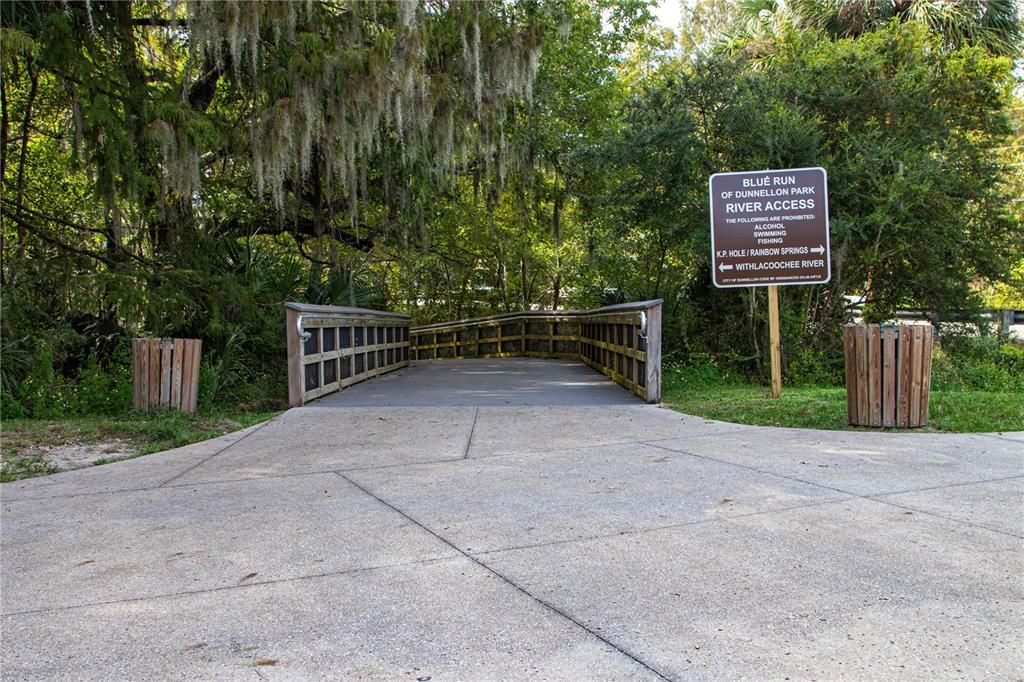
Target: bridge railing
point(331, 347)
point(621, 341)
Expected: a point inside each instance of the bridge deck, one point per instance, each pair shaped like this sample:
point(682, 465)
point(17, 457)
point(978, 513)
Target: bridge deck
point(521, 382)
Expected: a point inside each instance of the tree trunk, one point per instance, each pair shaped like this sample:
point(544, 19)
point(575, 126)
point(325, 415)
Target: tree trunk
point(4, 127)
point(22, 163)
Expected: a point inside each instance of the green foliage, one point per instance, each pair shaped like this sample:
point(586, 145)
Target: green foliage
point(813, 367)
point(976, 411)
point(825, 408)
point(921, 207)
point(187, 180)
point(982, 363)
point(16, 468)
point(103, 391)
point(702, 374)
point(223, 371)
point(43, 393)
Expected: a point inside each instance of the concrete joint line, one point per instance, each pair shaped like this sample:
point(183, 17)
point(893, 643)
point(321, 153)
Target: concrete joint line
point(222, 450)
point(947, 486)
point(669, 526)
point(654, 444)
point(472, 430)
point(872, 498)
point(508, 581)
point(936, 515)
point(170, 485)
point(210, 590)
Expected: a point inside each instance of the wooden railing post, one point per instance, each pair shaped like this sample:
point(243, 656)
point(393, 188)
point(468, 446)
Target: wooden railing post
point(654, 354)
point(295, 375)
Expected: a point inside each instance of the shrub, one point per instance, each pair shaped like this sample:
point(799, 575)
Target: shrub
point(701, 373)
point(982, 363)
point(812, 367)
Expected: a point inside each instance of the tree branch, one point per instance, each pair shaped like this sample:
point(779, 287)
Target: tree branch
point(298, 228)
point(56, 242)
point(38, 215)
point(312, 259)
point(160, 22)
point(201, 94)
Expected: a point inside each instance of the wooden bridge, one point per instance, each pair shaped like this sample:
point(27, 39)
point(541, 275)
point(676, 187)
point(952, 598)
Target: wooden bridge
point(331, 348)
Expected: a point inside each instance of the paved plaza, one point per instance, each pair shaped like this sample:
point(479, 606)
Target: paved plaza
point(521, 519)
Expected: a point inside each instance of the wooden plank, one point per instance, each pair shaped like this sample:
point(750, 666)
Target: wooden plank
point(196, 354)
point(144, 374)
point(917, 341)
point(874, 375)
point(165, 373)
point(135, 374)
point(183, 349)
point(176, 353)
point(926, 373)
point(144, 350)
point(154, 372)
point(352, 357)
point(861, 350)
point(903, 378)
point(136, 401)
point(850, 353)
point(320, 365)
point(653, 358)
point(889, 338)
point(774, 338)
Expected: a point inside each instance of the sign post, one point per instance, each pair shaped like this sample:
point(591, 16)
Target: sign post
point(770, 228)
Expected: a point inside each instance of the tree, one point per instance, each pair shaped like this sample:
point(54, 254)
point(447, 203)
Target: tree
point(910, 135)
point(994, 25)
point(206, 146)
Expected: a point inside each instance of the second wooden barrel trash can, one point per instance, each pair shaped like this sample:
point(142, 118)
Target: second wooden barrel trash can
point(888, 374)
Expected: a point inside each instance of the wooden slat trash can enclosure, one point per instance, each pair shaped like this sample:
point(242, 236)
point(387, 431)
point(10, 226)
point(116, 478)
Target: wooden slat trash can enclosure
point(165, 373)
point(888, 374)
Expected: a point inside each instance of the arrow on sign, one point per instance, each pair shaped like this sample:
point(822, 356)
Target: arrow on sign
point(723, 267)
point(819, 249)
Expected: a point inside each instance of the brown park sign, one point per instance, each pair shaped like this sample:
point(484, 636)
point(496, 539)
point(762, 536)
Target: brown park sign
point(770, 228)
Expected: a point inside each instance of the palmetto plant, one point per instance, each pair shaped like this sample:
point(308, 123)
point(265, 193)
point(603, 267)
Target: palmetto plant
point(994, 25)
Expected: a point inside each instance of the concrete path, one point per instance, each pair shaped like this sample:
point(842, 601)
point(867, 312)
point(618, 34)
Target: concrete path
point(361, 539)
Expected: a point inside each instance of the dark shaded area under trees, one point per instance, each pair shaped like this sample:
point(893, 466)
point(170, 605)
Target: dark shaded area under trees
point(183, 171)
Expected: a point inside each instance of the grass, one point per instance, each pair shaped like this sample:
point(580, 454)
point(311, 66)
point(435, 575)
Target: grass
point(728, 399)
point(23, 442)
